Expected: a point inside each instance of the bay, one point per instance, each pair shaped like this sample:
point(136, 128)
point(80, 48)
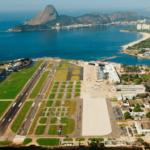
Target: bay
point(89, 44)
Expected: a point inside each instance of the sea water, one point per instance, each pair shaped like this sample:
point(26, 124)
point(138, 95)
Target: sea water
point(93, 43)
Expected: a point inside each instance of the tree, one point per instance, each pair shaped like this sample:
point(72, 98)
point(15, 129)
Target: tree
point(93, 144)
point(117, 83)
point(124, 83)
point(126, 115)
point(138, 81)
point(148, 115)
point(140, 140)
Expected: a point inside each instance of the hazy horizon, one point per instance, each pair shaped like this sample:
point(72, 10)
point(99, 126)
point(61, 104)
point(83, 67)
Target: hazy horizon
point(28, 9)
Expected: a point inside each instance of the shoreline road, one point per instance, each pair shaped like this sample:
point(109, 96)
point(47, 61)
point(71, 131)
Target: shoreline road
point(10, 114)
point(32, 112)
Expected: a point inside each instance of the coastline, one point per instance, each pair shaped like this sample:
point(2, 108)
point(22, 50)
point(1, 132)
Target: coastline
point(145, 36)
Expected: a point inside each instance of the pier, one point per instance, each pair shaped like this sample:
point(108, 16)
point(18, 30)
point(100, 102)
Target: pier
point(103, 60)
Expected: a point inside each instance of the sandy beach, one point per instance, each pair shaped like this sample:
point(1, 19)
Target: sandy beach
point(145, 36)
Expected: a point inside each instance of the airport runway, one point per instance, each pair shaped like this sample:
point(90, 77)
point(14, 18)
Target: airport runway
point(32, 112)
point(10, 114)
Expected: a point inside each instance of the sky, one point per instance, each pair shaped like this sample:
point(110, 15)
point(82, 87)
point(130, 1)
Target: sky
point(76, 7)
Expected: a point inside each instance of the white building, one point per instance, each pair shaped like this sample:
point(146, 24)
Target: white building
point(142, 128)
point(113, 75)
point(133, 88)
point(147, 54)
point(143, 26)
point(125, 109)
point(128, 96)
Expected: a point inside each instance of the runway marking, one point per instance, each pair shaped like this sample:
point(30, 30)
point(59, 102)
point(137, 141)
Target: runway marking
point(13, 104)
point(33, 104)
point(26, 93)
point(20, 104)
point(3, 120)
point(39, 104)
point(9, 120)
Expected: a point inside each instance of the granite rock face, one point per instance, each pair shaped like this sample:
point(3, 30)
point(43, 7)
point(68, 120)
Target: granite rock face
point(46, 15)
point(125, 16)
point(94, 18)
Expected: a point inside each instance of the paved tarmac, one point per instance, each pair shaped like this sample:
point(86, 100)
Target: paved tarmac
point(32, 112)
point(10, 114)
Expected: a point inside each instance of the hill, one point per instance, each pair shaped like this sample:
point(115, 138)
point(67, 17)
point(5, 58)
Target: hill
point(48, 14)
point(49, 17)
point(125, 16)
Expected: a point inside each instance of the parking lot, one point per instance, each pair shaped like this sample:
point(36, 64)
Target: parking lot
point(118, 113)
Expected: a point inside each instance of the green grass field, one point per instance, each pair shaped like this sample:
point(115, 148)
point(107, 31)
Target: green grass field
point(96, 139)
point(43, 120)
point(61, 75)
point(5, 143)
point(69, 127)
point(17, 123)
point(53, 130)
point(61, 90)
point(45, 109)
point(57, 83)
point(58, 103)
point(78, 82)
point(63, 86)
point(53, 120)
point(75, 78)
point(76, 95)
point(80, 139)
point(60, 96)
point(50, 66)
point(54, 90)
point(49, 103)
point(68, 95)
point(77, 90)
point(76, 72)
point(26, 141)
point(36, 118)
point(72, 106)
point(78, 86)
point(48, 142)
point(59, 109)
point(12, 85)
point(70, 86)
point(68, 139)
point(64, 66)
point(52, 96)
point(3, 106)
point(39, 85)
point(69, 90)
point(64, 82)
point(47, 114)
point(40, 130)
point(76, 67)
point(55, 86)
point(43, 114)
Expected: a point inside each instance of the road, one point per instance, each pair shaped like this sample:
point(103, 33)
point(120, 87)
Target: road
point(32, 112)
point(10, 114)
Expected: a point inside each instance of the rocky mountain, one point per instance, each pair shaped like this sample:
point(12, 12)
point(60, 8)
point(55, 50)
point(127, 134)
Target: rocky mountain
point(125, 16)
point(64, 21)
point(94, 18)
point(47, 14)
point(49, 17)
